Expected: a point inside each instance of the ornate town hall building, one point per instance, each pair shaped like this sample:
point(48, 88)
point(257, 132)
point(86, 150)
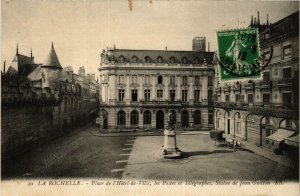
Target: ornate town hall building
point(140, 87)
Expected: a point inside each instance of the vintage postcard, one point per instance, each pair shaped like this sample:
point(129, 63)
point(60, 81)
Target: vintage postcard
point(149, 97)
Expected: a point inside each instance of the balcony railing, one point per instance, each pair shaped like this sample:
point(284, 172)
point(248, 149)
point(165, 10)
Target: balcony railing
point(231, 105)
point(264, 84)
point(161, 103)
point(250, 86)
point(277, 110)
point(226, 88)
point(283, 82)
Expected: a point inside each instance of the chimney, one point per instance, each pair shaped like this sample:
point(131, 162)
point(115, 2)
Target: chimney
point(114, 46)
point(17, 50)
point(208, 46)
point(251, 24)
point(4, 67)
point(267, 19)
point(166, 48)
point(258, 22)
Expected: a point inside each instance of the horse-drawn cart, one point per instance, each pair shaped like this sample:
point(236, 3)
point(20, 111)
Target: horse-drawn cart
point(217, 137)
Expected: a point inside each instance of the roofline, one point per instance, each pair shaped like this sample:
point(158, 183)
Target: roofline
point(281, 20)
point(141, 50)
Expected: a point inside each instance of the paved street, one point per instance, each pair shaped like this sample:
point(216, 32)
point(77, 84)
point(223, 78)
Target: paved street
point(77, 154)
point(82, 154)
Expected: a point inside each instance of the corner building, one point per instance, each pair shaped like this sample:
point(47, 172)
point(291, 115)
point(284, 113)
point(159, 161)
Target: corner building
point(255, 110)
point(138, 88)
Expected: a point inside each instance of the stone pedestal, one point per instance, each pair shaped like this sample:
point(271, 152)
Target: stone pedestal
point(170, 147)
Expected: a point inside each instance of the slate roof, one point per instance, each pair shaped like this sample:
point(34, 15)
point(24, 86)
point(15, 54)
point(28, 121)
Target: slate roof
point(52, 59)
point(166, 55)
point(51, 76)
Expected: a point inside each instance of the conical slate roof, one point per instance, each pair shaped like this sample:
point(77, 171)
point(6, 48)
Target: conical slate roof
point(52, 59)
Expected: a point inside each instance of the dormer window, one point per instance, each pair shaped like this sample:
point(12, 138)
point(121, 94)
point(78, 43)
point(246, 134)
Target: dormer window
point(184, 60)
point(172, 59)
point(197, 61)
point(121, 59)
point(147, 59)
point(134, 59)
point(159, 59)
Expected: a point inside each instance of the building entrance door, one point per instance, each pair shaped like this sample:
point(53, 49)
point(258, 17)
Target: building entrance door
point(228, 126)
point(159, 119)
point(185, 118)
point(105, 122)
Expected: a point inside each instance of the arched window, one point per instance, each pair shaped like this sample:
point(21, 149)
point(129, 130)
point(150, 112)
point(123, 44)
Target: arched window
point(121, 117)
point(147, 59)
point(134, 117)
point(184, 60)
point(159, 79)
point(147, 117)
point(172, 59)
point(159, 59)
point(197, 61)
point(134, 59)
point(197, 117)
point(121, 59)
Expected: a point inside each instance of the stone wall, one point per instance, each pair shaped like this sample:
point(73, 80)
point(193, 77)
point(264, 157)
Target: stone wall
point(23, 127)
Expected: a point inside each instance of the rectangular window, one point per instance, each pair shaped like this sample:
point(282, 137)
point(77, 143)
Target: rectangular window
point(134, 79)
point(227, 98)
point(287, 99)
point(121, 79)
point(184, 95)
point(287, 72)
point(210, 80)
point(197, 80)
point(250, 98)
point(147, 95)
point(210, 117)
point(184, 80)
point(159, 79)
point(266, 98)
point(287, 51)
point(172, 80)
point(172, 95)
point(210, 95)
point(121, 93)
point(134, 95)
point(237, 97)
point(159, 94)
point(266, 76)
point(147, 79)
point(197, 95)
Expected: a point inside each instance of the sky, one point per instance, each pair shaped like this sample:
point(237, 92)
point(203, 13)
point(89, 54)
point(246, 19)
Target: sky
point(81, 29)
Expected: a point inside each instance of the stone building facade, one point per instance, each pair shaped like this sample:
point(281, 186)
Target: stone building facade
point(138, 88)
point(255, 109)
point(42, 101)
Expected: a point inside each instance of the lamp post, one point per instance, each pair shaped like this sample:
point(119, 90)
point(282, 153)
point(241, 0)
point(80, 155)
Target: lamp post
point(170, 147)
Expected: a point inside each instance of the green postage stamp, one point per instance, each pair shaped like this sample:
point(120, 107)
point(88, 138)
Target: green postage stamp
point(239, 54)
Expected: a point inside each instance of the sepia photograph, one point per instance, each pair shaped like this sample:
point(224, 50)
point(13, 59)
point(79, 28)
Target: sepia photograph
point(149, 97)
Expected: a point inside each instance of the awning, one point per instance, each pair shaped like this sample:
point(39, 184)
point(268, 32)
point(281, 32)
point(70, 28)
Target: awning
point(292, 141)
point(280, 135)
